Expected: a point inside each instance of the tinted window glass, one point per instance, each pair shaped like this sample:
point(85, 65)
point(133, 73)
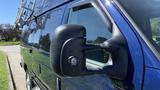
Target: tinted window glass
point(155, 27)
point(97, 29)
point(25, 34)
point(36, 38)
point(30, 38)
point(45, 5)
point(34, 34)
point(48, 23)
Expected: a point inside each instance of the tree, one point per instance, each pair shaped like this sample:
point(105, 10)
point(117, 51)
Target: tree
point(9, 33)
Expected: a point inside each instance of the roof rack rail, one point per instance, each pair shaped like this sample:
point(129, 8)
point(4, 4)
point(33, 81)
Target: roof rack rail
point(24, 12)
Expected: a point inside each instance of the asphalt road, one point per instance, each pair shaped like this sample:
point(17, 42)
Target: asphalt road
point(14, 57)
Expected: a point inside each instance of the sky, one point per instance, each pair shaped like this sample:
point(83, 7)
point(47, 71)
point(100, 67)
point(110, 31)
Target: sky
point(8, 11)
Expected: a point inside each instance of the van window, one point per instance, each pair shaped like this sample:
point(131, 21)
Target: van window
point(25, 35)
point(30, 38)
point(48, 23)
point(34, 34)
point(97, 30)
point(36, 38)
point(155, 27)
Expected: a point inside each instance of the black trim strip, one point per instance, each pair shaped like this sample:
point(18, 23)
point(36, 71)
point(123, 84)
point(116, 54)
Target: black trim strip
point(40, 83)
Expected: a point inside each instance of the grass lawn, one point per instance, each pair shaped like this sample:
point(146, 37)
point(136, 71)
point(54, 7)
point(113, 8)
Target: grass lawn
point(3, 72)
point(9, 43)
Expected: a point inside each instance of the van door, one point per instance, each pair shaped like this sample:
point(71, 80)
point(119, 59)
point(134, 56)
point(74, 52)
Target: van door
point(98, 29)
point(99, 26)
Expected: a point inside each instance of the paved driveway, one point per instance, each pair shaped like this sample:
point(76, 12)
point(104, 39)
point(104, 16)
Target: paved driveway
point(14, 58)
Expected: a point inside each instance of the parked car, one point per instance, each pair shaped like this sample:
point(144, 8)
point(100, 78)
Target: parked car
point(90, 44)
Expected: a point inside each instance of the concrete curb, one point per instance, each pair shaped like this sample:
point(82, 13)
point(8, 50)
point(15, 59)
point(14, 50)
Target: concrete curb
point(16, 77)
point(12, 84)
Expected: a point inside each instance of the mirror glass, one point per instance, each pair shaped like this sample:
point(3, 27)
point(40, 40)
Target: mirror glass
point(97, 55)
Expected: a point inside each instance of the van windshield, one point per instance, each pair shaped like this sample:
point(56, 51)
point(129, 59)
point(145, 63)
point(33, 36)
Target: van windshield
point(146, 14)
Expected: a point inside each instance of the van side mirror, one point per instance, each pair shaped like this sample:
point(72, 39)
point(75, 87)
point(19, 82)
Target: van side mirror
point(67, 52)
point(67, 56)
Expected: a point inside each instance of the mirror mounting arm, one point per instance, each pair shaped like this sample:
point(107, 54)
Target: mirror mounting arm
point(110, 47)
point(107, 45)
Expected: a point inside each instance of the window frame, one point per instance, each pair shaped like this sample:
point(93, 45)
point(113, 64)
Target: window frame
point(100, 10)
point(142, 35)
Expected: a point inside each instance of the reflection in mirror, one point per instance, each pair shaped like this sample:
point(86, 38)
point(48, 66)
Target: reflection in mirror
point(98, 55)
point(98, 40)
point(45, 42)
point(41, 21)
point(97, 59)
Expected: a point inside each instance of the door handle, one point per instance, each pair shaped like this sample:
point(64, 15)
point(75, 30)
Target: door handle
point(40, 68)
point(30, 50)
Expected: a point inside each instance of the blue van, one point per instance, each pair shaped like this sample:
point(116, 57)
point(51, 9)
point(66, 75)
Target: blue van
point(90, 44)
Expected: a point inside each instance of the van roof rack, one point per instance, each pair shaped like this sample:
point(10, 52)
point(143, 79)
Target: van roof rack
point(24, 11)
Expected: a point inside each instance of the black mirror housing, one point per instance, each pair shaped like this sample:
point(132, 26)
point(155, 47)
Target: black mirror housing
point(72, 57)
point(67, 53)
point(67, 57)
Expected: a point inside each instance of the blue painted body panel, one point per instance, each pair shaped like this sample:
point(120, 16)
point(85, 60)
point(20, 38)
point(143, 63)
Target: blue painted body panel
point(152, 79)
point(133, 44)
point(150, 68)
point(150, 59)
